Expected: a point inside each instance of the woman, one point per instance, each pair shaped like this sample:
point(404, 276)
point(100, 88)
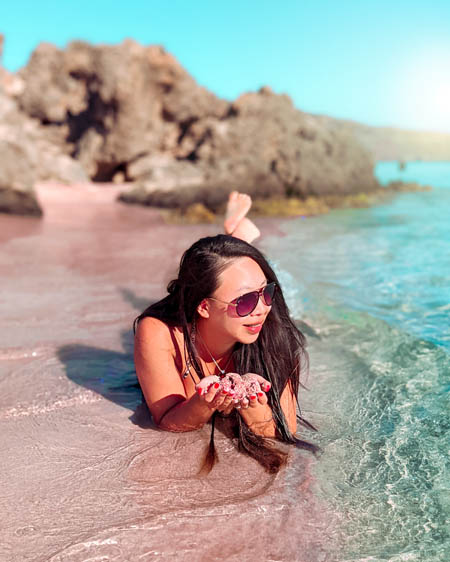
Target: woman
point(224, 313)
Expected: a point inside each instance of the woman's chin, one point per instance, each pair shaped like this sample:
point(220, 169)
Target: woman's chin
point(247, 337)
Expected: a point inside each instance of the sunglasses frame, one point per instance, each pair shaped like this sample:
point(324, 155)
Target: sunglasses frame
point(260, 293)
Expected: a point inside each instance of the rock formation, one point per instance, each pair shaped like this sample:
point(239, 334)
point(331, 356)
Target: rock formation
point(16, 180)
point(113, 106)
point(17, 176)
point(28, 153)
point(263, 146)
point(128, 112)
point(134, 111)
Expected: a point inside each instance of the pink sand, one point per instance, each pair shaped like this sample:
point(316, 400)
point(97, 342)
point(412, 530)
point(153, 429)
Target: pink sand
point(83, 477)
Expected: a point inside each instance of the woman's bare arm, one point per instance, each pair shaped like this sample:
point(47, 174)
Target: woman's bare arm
point(259, 417)
point(164, 392)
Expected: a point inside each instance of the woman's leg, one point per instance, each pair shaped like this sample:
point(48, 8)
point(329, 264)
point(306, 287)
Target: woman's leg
point(236, 222)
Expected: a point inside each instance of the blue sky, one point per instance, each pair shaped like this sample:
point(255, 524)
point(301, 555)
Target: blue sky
point(381, 63)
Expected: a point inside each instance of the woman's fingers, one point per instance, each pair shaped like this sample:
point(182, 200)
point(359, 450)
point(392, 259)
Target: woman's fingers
point(206, 384)
point(209, 389)
point(211, 393)
point(219, 399)
point(225, 402)
point(253, 401)
point(262, 398)
point(228, 410)
point(263, 383)
point(244, 404)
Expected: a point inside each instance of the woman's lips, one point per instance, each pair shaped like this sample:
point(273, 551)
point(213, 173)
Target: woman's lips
point(253, 328)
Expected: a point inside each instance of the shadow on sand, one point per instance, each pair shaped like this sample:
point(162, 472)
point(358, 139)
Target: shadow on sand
point(108, 372)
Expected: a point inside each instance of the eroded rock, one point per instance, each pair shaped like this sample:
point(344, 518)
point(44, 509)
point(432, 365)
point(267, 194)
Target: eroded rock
point(28, 152)
point(266, 148)
point(120, 102)
point(17, 195)
point(128, 112)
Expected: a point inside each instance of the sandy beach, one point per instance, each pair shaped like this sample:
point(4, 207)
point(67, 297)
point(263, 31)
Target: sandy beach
point(84, 474)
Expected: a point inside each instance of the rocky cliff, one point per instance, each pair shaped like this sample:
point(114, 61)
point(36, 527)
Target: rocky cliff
point(132, 113)
point(28, 152)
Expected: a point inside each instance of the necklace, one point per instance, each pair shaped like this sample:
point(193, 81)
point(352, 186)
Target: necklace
point(221, 371)
point(187, 371)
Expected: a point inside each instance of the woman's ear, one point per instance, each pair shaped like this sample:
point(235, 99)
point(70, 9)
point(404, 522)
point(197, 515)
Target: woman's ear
point(203, 308)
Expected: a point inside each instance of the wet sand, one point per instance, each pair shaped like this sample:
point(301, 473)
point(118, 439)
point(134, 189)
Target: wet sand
point(84, 475)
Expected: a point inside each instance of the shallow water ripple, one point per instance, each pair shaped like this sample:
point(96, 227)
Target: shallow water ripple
point(374, 285)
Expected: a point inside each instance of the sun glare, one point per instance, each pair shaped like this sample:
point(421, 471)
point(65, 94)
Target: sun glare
point(426, 92)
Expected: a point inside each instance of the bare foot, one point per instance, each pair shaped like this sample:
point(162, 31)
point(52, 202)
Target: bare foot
point(246, 230)
point(238, 206)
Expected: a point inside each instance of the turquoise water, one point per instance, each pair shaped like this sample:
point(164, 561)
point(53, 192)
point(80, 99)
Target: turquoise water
point(375, 285)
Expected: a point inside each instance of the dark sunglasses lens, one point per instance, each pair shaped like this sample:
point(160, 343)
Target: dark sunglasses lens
point(269, 293)
point(247, 303)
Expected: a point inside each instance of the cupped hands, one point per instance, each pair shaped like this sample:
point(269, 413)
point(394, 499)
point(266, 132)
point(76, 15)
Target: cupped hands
point(233, 391)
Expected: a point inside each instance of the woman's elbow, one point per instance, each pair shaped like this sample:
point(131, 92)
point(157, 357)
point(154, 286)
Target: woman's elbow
point(167, 425)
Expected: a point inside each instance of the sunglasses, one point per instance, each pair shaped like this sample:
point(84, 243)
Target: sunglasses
point(246, 304)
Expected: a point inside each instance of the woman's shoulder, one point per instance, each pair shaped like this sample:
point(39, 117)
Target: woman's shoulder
point(153, 328)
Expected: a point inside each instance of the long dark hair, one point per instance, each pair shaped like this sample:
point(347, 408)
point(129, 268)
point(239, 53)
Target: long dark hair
point(279, 353)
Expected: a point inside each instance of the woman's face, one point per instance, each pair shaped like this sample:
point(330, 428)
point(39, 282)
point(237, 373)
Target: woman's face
point(243, 275)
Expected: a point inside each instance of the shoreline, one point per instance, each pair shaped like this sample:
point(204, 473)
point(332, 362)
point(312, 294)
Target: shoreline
point(283, 208)
point(277, 207)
